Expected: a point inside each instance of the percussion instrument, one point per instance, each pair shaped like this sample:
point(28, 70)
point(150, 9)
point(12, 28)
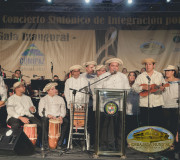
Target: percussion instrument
point(54, 132)
point(31, 131)
point(79, 116)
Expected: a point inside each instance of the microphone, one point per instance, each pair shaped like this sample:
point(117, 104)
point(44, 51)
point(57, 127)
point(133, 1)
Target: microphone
point(51, 67)
point(114, 72)
point(149, 79)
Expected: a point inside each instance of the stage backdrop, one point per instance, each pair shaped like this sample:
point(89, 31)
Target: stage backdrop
point(36, 51)
point(37, 42)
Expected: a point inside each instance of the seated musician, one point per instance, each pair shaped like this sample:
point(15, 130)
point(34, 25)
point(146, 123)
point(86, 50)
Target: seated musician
point(20, 109)
point(54, 109)
point(152, 114)
point(3, 99)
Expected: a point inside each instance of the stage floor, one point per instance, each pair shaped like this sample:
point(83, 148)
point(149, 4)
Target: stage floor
point(77, 153)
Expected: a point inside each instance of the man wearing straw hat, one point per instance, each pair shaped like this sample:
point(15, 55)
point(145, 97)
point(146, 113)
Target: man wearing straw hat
point(75, 82)
point(150, 108)
point(54, 109)
point(89, 74)
point(110, 129)
point(20, 109)
point(170, 96)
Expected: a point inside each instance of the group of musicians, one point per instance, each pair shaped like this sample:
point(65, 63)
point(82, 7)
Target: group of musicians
point(157, 108)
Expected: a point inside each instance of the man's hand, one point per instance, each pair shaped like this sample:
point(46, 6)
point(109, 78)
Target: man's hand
point(51, 117)
point(32, 109)
point(24, 120)
point(161, 88)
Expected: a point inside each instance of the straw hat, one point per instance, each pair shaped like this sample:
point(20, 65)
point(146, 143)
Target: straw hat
point(170, 68)
point(17, 84)
point(75, 67)
point(89, 63)
point(117, 60)
point(48, 86)
point(148, 60)
point(98, 67)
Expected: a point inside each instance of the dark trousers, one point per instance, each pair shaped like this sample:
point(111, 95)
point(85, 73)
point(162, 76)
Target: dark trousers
point(110, 131)
point(3, 117)
point(132, 122)
point(64, 127)
point(151, 116)
point(170, 119)
point(17, 123)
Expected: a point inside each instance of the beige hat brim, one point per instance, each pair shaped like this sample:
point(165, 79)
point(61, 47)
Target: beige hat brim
point(116, 60)
point(17, 84)
point(89, 63)
point(75, 67)
point(148, 60)
point(48, 86)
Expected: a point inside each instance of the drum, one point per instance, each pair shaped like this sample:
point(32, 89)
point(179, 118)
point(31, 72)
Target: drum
point(54, 132)
point(31, 131)
point(79, 116)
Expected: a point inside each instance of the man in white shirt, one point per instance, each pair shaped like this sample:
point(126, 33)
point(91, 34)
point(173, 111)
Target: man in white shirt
point(89, 75)
point(75, 82)
point(54, 109)
point(110, 133)
point(150, 112)
point(20, 109)
point(3, 99)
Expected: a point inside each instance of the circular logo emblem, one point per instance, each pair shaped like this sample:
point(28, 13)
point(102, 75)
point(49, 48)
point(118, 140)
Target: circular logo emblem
point(111, 108)
point(150, 139)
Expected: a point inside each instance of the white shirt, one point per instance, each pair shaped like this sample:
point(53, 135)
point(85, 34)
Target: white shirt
point(3, 90)
point(19, 106)
point(170, 96)
point(54, 106)
point(132, 103)
point(88, 77)
point(75, 83)
point(155, 99)
point(115, 81)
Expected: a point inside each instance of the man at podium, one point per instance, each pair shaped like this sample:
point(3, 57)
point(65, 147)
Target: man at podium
point(110, 138)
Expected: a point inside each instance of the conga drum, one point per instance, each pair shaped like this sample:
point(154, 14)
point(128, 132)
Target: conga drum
point(54, 132)
point(31, 131)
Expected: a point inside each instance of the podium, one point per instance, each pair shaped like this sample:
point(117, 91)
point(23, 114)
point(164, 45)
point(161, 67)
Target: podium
point(110, 121)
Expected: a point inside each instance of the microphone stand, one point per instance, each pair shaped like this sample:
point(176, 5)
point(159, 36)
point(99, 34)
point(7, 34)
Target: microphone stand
point(148, 97)
point(90, 84)
point(43, 133)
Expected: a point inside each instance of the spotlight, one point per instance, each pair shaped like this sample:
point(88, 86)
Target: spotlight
point(49, 1)
point(168, 1)
point(130, 1)
point(87, 1)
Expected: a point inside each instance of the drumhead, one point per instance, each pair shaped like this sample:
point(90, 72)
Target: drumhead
point(30, 125)
point(54, 121)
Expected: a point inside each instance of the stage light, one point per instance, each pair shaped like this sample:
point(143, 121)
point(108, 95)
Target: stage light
point(49, 1)
point(87, 1)
point(168, 1)
point(130, 1)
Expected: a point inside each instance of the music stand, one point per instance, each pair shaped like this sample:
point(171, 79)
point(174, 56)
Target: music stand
point(61, 85)
point(39, 84)
point(9, 82)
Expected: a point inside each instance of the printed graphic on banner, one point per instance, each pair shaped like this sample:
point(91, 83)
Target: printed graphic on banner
point(150, 139)
point(32, 59)
point(152, 48)
point(106, 44)
point(111, 108)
